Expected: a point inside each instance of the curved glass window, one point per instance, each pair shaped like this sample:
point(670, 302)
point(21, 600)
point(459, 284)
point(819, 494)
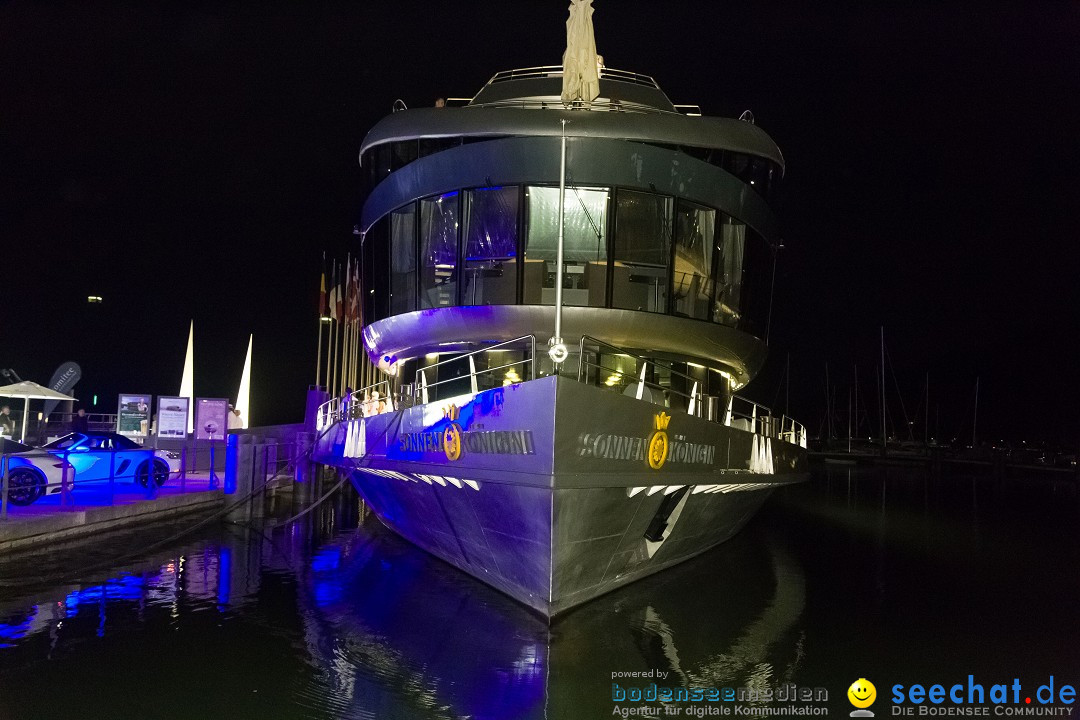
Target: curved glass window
point(438, 250)
point(403, 260)
point(641, 251)
point(730, 247)
point(402, 153)
point(584, 246)
point(498, 246)
point(757, 172)
point(376, 166)
point(491, 247)
point(692, 284)
point(373, 275)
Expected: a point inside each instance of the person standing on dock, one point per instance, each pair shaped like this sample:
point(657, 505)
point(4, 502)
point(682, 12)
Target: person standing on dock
point(235, 422)
point(7, 423)
point(79, 423)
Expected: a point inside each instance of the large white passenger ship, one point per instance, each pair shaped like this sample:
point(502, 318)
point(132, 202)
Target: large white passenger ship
point(552, 481)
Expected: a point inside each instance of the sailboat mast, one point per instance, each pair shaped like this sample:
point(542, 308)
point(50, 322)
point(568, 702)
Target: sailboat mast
point(828, 404)
point(849, 420)
point(975, 420)
point(884, 434)
point(856, 398)
point(787, 386)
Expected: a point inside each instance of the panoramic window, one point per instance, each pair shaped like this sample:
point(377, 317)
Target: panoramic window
point(403, 260)
point(731, 245)
point(376, 166)
point(692, 287)
point(402, 153)
point(490, 265)
point(641, 252)
point(584, 246)
point(438, 250)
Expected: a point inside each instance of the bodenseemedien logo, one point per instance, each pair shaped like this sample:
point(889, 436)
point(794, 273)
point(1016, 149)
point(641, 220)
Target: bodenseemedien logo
point(862, 694)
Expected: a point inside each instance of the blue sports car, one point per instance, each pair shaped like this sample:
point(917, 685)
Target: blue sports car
point(92, 458)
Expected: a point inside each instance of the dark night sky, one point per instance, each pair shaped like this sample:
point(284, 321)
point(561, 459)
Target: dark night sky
point(194, 161)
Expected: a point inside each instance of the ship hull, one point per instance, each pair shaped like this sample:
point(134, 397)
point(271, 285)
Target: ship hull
point(556, 492)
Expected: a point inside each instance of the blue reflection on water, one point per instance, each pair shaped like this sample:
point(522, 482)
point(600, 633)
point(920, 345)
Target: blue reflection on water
point(126, 587)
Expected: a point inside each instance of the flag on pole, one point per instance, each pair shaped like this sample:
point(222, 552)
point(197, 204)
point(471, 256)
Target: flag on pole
point(339, 301)
point(322, 289)
point(332, 309)
point(358, 314)
point(348, 291)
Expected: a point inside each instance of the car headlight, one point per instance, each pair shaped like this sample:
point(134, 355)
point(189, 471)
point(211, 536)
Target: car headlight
point(172, 455)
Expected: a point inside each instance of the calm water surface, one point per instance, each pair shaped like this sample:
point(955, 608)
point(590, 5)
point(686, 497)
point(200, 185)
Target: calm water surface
point(887, 574)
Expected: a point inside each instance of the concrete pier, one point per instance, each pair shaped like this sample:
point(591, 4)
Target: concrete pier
point(48, 523)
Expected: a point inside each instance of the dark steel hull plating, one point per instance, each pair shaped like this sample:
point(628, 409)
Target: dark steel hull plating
point(545, 490)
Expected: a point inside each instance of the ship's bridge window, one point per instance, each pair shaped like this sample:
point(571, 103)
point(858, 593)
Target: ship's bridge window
point(376, 166)
point(642, 251)
point(584, 246)
point(402, 153)
point(438, 250)
point(491, 246)
point(692, 277)
point(430, 146)
point(403, 260)
point(757, 172)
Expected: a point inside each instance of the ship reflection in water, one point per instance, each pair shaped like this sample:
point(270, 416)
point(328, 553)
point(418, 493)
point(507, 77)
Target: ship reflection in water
point(851, 575)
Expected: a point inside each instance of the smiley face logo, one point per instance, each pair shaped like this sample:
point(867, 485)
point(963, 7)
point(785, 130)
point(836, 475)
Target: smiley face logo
point(862, 693)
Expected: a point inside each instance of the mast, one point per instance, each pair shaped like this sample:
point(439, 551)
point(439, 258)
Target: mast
point(558, 351)
point(975, 420)
point(884, 434)
point(926, 427)
point(787, 386)
point(856, 397)
point(828, 404)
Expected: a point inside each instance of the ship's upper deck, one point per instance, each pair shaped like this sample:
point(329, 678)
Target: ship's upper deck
point(542, 86)
point(630, 106)
point(666, 215)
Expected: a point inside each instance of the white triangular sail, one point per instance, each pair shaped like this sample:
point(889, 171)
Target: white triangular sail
point(243, 395)
point(187, 380)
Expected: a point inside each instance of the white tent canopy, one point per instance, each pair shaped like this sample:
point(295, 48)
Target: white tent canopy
point(30, 391)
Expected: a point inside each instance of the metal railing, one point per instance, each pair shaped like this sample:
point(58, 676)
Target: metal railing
point(39, 482)
point(694, 399)
point(422, 388)
point(37, 477)
point(357, 404)
point(542, 71)
point(740, 413)
point(748, 415)
point(609, 105)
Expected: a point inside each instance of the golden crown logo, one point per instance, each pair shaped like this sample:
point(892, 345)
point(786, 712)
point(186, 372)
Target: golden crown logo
point(658, 442)
point(452, 412)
